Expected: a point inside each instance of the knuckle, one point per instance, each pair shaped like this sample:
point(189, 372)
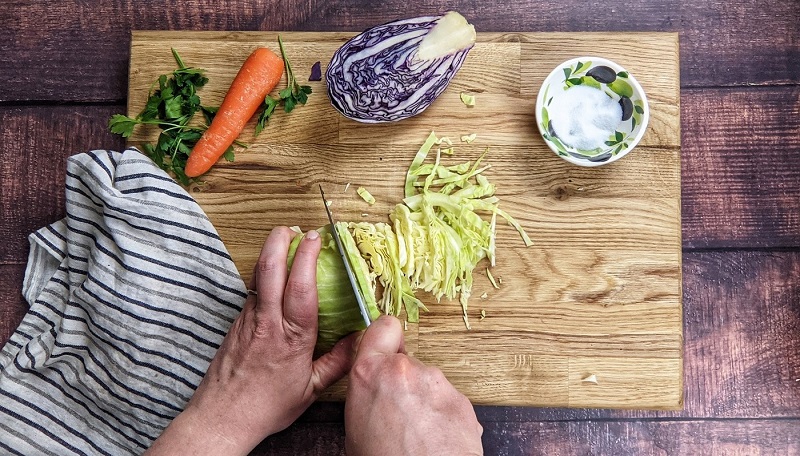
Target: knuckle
point(269, 265)
point(301, 290)
point(403, 365)
point(362, 374)
point(376, 369)
point(262, 326)
point(397, 372)
point(297, 333)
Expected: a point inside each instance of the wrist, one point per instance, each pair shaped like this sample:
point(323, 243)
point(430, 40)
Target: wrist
point(193, 432)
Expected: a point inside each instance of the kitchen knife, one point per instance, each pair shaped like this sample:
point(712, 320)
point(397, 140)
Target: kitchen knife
point(347, 266)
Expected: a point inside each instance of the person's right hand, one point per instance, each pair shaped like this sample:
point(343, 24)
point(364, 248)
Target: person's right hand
point(397, 405)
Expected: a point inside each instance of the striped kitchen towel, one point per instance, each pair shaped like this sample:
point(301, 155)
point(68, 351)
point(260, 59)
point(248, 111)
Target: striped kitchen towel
point(130, 296)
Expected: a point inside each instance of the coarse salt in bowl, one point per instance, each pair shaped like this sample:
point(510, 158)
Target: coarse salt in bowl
point(591, 111)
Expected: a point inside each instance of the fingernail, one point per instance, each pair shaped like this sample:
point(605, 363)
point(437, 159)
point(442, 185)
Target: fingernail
point(311, 235)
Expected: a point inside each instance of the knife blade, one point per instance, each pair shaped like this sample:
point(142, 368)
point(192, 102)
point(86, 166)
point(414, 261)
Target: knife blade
point(347, 266)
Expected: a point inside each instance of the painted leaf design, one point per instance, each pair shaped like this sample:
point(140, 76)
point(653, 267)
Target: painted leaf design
point(621, 88)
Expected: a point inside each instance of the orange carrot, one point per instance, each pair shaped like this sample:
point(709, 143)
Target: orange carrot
point(259, 74)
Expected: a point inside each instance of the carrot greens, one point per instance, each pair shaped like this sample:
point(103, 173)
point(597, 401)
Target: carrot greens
point(293, 95)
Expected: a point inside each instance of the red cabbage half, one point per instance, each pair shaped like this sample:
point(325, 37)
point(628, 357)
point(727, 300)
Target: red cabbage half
point(396, 70)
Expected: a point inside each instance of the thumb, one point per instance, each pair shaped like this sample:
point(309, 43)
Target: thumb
point(383, 337)
point(332, 366)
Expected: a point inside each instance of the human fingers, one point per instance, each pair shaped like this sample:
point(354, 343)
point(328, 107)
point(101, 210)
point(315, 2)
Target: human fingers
point(300, 301)
point(334, 365)
point(271, 273)
point(383, 337)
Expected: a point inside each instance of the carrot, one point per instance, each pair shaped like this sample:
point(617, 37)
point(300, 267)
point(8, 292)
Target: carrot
point(259, 74)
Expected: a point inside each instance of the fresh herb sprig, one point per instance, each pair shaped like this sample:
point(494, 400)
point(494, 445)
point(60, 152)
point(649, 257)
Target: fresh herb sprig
point(293, 95)
point(171, 107)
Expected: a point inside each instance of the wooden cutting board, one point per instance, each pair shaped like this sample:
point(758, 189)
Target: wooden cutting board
point(590, 316)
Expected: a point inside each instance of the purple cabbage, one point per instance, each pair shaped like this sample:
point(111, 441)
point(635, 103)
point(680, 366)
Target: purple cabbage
point(374, 77)
point(316, 72)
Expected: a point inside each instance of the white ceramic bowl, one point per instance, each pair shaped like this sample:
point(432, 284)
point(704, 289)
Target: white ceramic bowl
point(598, 73)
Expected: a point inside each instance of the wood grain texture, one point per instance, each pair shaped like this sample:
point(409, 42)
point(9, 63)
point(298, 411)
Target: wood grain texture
point(70, 50)
point(740, 438)
point(34, 146)
point(733, 343)
point(742, 351)
point(623, 438)
point(741, 331)
point(740, 185)
point(741, 182)
point(600, 293)
point(12, 305)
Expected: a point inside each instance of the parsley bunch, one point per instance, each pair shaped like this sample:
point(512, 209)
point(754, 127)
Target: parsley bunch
point(171, 107)
point(174, 103)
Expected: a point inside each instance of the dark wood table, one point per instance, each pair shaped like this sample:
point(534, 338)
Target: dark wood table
point(64, 69)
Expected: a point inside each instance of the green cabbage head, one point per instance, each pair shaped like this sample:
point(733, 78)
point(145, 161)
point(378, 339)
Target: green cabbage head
point(338, 308)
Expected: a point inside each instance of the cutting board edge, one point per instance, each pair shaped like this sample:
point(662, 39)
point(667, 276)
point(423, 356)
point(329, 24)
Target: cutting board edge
point(312, 36)
point(156, 36)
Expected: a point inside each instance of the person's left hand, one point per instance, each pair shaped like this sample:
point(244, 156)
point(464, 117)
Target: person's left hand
point(263, 376)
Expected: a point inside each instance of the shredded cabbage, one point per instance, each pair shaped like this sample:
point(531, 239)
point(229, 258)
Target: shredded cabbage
point(434, 240)
point(468, 99)
point(437, 235)
point(365, 195)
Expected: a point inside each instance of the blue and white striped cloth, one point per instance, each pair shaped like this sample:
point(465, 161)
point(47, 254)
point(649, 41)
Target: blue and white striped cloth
point(130, 296)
